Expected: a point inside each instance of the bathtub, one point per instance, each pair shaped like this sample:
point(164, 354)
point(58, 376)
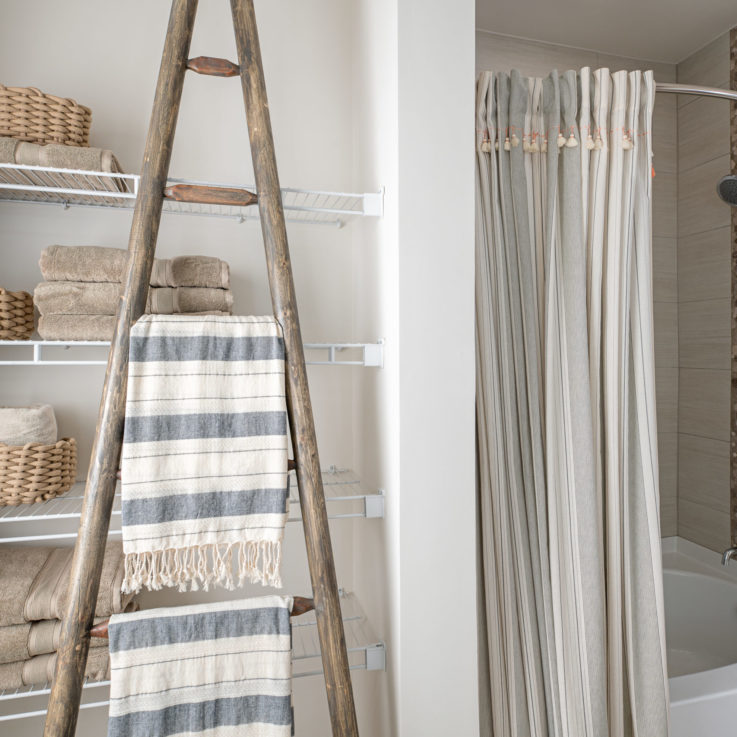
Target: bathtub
point(701, 637)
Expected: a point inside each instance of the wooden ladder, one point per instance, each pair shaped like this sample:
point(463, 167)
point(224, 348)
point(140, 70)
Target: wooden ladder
point(66, 692)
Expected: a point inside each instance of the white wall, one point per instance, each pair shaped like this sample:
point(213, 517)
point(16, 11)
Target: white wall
point(414, 278)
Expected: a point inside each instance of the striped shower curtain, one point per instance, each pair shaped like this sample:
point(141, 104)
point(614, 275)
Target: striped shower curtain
point(570, 584)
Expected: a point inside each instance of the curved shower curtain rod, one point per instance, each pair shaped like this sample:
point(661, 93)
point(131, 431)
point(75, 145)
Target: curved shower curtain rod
point(689, 89)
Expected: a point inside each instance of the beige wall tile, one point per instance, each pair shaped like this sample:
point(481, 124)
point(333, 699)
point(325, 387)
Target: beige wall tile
point(699, 207)
point(703, 525)
point(665, 215)
point(703, 471)
point(665, 134)
point(666, 334)
point(502, 53)
point(666, 397)
point(662, 72)
point(703, 402)
point(703, 132)
point(665, 271)
point(704, 265)
point(704, 334)
point(668, 462)
point(709, 66)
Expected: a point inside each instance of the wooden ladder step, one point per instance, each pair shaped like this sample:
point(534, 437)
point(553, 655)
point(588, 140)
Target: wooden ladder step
point(204, 195)
point(213, 67)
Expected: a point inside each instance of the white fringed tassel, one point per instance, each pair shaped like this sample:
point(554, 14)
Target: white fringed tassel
point(561, 140)
point(571, 142)
point(203, 566)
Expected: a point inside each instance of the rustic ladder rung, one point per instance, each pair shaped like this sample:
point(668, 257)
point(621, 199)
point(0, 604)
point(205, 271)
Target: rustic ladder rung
point(204, 195)
point(84, 581)
point(213, 67)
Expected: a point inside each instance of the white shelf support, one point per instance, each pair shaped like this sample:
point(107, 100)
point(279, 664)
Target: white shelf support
point(343, 496)
point(366, 652)
point(48, 185)
point(371, 354)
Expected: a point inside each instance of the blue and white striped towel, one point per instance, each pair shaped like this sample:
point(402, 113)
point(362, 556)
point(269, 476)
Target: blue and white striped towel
point(204, 465)
point(221, 669)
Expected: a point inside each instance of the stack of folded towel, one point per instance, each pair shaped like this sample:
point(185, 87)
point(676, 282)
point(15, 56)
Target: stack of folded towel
point(79, 299)
point(34, 582)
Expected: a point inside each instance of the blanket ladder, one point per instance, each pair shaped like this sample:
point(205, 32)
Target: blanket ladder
point(64, 701)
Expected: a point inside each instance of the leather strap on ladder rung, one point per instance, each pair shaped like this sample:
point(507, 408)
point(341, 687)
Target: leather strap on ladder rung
point(210, 195)
point(213, 67)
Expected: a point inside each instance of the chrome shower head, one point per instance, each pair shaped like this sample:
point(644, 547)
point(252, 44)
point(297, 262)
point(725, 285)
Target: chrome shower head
point(727, 189)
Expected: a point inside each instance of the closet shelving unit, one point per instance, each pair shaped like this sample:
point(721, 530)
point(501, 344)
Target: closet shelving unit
point(345, 500)
point(365, 652)
point(75, 187)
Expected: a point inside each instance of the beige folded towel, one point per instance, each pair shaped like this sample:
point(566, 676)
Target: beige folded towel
point(34, 424)
point(35, 583)
point(101, 298)
point(7, 150)
point(60, 156)
point(39, 670)
point(23, 641)
point(103, 264)
point(84, 327)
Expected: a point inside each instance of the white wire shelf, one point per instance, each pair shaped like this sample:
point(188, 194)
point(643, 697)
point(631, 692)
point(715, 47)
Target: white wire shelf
point(343, 496)
point(94, 353)
point(48, 185)
point(365, 652)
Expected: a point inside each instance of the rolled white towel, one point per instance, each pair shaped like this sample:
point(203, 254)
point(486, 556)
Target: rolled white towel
point(34, 424)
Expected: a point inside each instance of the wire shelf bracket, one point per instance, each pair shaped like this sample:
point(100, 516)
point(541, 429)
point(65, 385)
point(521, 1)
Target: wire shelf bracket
point(48, 185)
point(343, 495)
point(35, 353)
point(365, 651)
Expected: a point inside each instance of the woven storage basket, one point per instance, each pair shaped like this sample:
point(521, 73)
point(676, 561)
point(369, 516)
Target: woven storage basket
point(16, 315)
point(31, 115)
point(35, 472)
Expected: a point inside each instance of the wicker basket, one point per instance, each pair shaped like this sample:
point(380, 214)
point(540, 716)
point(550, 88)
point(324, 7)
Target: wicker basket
point(35, 472)
point(31, 115)
point(16, 315)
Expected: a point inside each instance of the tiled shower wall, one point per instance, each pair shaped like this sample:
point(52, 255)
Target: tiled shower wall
point(502, 53)
point(704, 248)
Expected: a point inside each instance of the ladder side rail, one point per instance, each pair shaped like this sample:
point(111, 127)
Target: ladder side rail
point(63, 708)
point(302, 427)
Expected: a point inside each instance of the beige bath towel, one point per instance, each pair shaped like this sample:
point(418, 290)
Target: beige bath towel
point(103, 264)
point(101, 298)
point(34, 583)
point(83, 327)
point(7, 150)
point(34, 424)
point(59, 156)
point(23, 641)
point(39, 670)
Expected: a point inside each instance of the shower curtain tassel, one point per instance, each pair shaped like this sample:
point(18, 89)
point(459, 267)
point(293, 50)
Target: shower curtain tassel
point(561, 140)
point(515, 140)
point(571, 142)
point(544, 147)
point(590, 145)
point(507, 144)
